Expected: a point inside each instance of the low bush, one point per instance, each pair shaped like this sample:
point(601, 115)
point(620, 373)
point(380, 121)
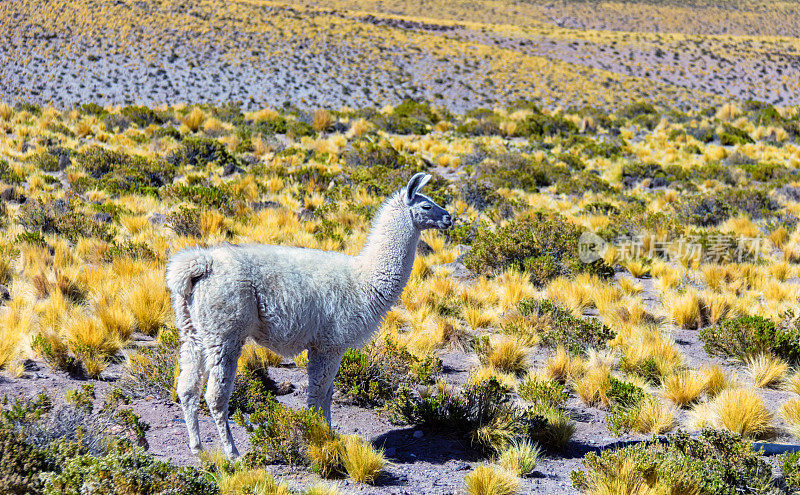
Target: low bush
point(132, 472)
point(560, 328)
point(482, 413)
point(716, 462)
point(279, 434)
point(543, 244)
point(749, 336)
point(152, 371)
point(712, 209)
point(200, 152)
point(62, 218)
point(119, 173)
point(372, 376)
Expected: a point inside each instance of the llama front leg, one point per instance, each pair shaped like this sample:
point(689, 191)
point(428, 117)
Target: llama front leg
point(221, 376)
point(190, 387)
point(322, 369)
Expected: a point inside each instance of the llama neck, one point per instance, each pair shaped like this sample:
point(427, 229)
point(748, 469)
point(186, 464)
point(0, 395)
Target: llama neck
point(387, 258)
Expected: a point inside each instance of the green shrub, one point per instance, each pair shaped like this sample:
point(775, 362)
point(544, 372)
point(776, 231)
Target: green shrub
point(141, 116)
point(250, 391)
point(712, 209)
point(203, 196)
point(126, 472)
point(730, 136)
point(119, 173)
point(716, 463)
point(82, 397)
point(151, 370)
point(748, 336)
point(62, 218)
point(582, 182)
point(10, 176)
point(185, 221)
point(20, 464)
point(200, 152)
point(542, 392)
point(561, 328)
point(279, 434)
point(482, 413)
point(790, 465)
point(544, 244)
point(517, 171)
point(372, 376)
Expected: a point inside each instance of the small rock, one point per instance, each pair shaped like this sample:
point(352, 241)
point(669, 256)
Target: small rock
point(462, 466)
point(418, 434)
point(5, 295)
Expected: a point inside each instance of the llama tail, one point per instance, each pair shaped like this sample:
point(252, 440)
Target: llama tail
point(183, 270)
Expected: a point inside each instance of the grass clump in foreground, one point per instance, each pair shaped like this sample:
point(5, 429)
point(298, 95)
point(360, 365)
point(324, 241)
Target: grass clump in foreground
point(714, 463)
point(281, 435)
point(489, 480)
point(66, 449)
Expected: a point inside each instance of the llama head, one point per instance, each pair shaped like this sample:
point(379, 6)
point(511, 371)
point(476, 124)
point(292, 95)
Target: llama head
point(425, 213)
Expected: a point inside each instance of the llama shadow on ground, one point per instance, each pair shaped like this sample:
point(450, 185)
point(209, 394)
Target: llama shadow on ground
point(435, 446)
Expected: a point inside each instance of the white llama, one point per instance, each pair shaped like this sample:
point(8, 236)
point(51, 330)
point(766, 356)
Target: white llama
point(289, 299)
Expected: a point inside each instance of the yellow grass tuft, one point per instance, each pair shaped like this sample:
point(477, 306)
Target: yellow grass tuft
point(562, 367)
point(488, 480)
point(255, 357)
point(322, 120)
point(194, 120)
point(14, 326)
point(361, 460)
point(742, 411)
point(592, 388)
point(655, 417)
point(715, 380)
point(766, 370)
point(684, 388)
point(508, 355)
point(256, 481)
point(790, 410)
point(520, 458)
point(149, 303)
point(687, 310)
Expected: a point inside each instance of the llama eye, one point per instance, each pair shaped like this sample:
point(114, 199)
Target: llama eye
point(426, 207)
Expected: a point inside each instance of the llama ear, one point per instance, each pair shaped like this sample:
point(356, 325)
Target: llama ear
point(415, 184)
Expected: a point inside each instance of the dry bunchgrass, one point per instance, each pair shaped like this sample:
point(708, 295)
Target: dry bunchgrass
point(255, 357)
point(562, 367)
point(684, 388)
point(592, 388)
point(655, 417)
point(255, 481)
point(790, 410)
point(508, 355)
point(715, 380)
point(15, 323)
point(686, 310)
point(149, 303)
point(766, 370)
point(194, 119)
point(489, 480)
point(363, 462)
point(520, 457)
point(742, 411)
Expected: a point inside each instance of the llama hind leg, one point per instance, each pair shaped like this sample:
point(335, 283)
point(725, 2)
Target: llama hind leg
point(322, 371)
point(218, 393)
point(190, 386)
